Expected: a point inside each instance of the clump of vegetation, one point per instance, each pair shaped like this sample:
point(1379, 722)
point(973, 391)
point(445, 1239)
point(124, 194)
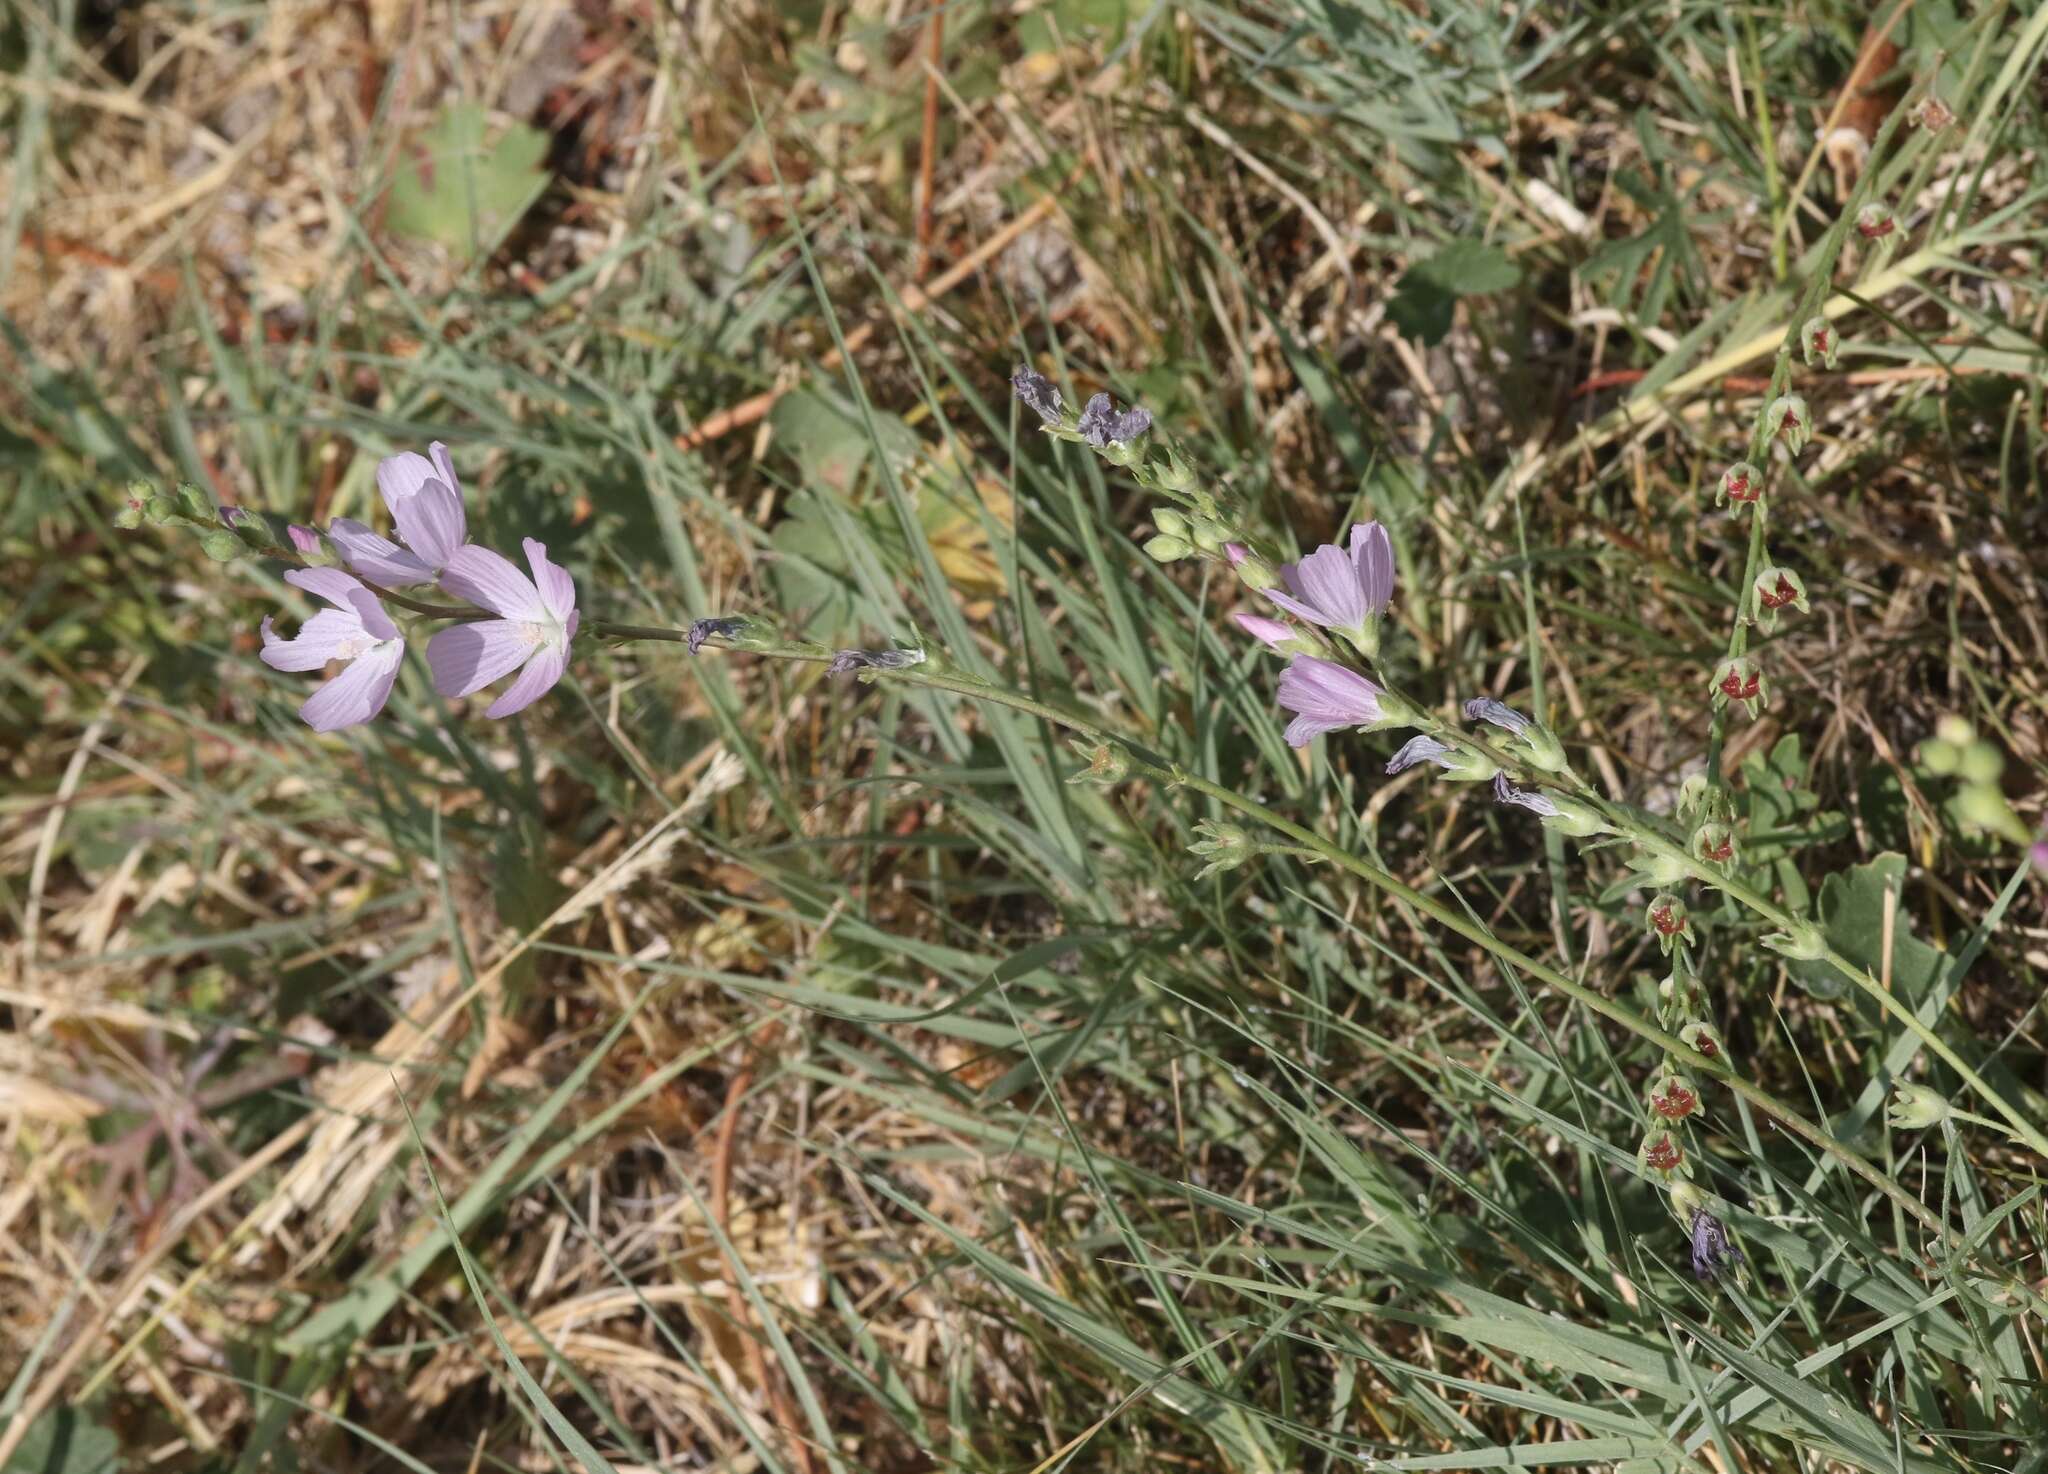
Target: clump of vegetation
point(1416, 846)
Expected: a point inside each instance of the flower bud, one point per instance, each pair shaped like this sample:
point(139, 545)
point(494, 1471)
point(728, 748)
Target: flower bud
point(1107, 762)
point(1172, 474)
point(1703, 1039)
point(1673, 1098)
point(1714, 842)
point(1933, 114)
point(134, 505)
point(1574, 819)
point(1667, 920)
point(221, 546)
point(1166, 548)
point(1224, 846)
point(1660, 868)
point(194, 503)
point(1940, 757)
point(1956, 729)
point(1982, 806)
point(1916, 1107)
point(1661, 1153)
point(1741, 483)
point(1254, 572)
point(1541, 750)
point(1676, 998)
point(1980, 762)
point(1789, 420)
point(1740, 681)
point(1874, 222)
point(1692, 794)
point(1776, 589)
point(1687, 1200)
point(1802, 942)
point(1396, 712)
point(1170, 522)
point(1209, 534)
point(1818, 341)
point(1463, 764)
point(304, 539)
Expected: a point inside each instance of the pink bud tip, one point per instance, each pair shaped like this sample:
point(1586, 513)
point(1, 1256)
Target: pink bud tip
point(1236, 553)
point(305, 539)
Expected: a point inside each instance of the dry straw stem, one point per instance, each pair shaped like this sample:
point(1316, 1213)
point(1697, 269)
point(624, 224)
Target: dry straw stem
point(363, 1091)
point(1176, 777)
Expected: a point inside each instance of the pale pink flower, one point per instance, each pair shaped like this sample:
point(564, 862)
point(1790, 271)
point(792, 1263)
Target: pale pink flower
point(426, 507)
point(355, 631)
point(537, 620)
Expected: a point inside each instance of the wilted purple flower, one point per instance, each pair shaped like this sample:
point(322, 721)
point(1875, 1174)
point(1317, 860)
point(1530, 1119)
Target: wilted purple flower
point(1102, 426)
point(705, 629)
point(1506, 793)
point(1420, 750)
point(1341, 590)
point(426, 506)
point(1271, 632)
point(537, 621)
point(1037, 393)
point(357, 631)
point(1325, 697)
point(305, 539)
point(845, 662)
point(1486, 709)
point(1712, 1249)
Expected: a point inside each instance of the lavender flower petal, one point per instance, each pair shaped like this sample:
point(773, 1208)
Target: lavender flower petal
point(705, 629)
point(1536, 803)
point(1486, 709)
point(431, 522)
point(535, 681)
point(1712, 1250)
point(1418, 750)
point(1037, 393)
point(358, 693)
point(490, 580)
point(1372, 557)
point(467, 657)
point(330, 584)
point(1102, 426)
point(1271, 632)
point(332, 634)
point(1325, 697)
point(845, 662)
point(377, 557)
point(557, 589)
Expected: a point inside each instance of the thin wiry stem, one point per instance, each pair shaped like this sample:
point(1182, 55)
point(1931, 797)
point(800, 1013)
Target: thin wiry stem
point(1145, 763)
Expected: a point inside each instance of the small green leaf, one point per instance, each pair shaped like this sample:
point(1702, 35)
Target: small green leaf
point(1852, 908)
point(222, 546)
point(1429, 290)
point(66, 1442)
point(459, 186)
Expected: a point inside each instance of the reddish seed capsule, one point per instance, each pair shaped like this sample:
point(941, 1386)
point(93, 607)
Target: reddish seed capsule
point(1662, 1153)
point(1714, 843)
point(1703, 1038)
point(1742, 483)
point(1674, 1100)
point(1875, 222)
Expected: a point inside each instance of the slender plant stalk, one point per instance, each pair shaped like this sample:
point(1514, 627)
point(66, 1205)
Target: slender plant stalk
point(1147, 764)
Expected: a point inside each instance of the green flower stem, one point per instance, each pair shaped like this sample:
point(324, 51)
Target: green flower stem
point(1976, 1120)
point(1144, 763)
point(1810, 302)
point(2023, 1129)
